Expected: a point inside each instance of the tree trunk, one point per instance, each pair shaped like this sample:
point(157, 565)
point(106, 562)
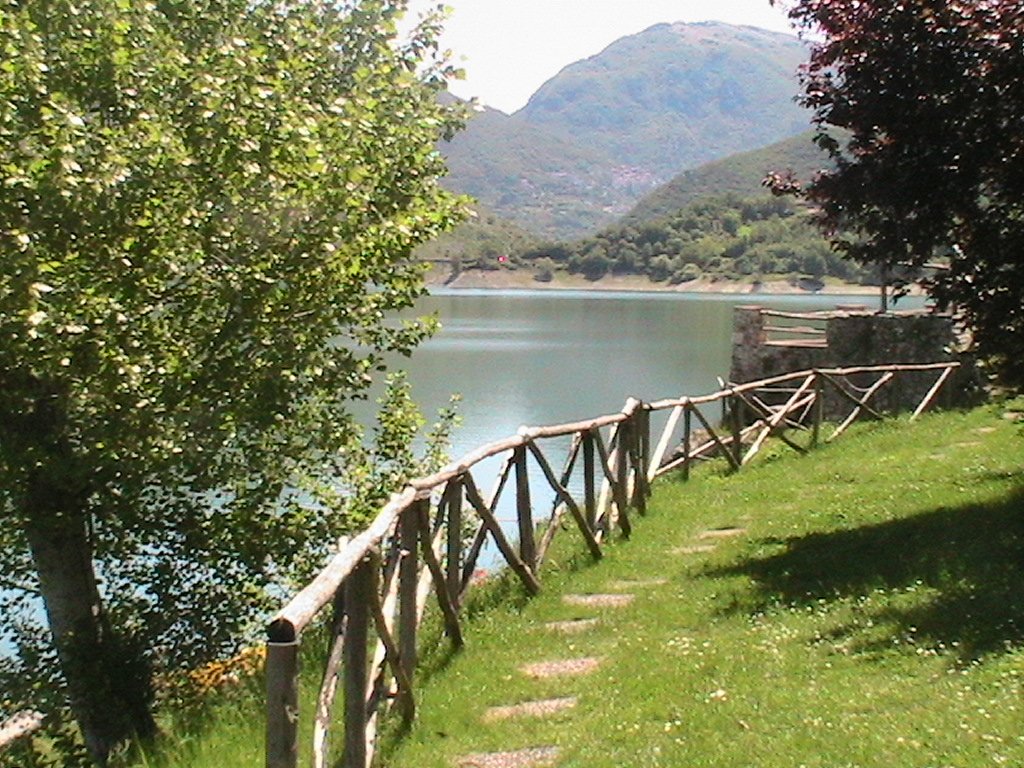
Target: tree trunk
point(108, 681)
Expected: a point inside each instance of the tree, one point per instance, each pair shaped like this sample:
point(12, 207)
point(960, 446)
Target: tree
point(207, 211)
point(930, 94)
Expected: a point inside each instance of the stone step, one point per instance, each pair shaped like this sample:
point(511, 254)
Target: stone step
point(694, 549)
point(571, 627)
point(599, 601)
point(561, 667)
point(723, 533)
point(541, 708)
point(534, 757)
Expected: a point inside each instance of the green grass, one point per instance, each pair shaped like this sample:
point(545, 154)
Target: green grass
point(871, 616)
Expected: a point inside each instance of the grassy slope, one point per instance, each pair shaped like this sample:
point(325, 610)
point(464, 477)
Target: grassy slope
point(870, 617)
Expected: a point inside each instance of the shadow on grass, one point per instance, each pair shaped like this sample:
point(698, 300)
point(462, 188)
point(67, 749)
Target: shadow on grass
point(969, 561)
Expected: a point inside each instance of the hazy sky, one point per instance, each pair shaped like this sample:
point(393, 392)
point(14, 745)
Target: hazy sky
point(509, 48)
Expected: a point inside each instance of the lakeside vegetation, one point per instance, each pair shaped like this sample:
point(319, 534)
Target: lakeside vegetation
point(718, 239)
point(867, 616)
point(725, 237)
point(714, 223)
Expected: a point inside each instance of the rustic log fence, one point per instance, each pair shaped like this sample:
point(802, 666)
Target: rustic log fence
point(380, 581)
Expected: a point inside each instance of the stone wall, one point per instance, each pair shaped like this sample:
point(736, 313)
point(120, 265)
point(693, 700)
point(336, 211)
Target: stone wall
point(853, 337)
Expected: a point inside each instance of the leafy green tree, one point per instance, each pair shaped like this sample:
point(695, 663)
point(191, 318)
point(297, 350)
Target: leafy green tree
point(660, 268)
point(931, 93)
point(594, 264)
point(544, 270)
point(206, 215)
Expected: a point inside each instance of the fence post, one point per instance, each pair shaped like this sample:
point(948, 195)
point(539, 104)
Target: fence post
point(408, 584)
point(620, 494)
point(527, 544)
point(357, 626)
point(819, 408)
point(644, 458)
point(637, 464)
point(687, 430)
point(589, 490)
point(283, 703)
point(453, 574)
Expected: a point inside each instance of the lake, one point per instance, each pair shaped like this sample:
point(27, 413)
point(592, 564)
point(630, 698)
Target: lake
point(546, 357)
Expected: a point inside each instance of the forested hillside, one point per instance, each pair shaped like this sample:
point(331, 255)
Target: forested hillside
point(718, 238)
point(607, 130)
point(740, 174)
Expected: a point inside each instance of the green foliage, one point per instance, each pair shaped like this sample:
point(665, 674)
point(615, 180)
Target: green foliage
point(481, 239)
point(207, 216)
point(726, 237)
point(544, 270)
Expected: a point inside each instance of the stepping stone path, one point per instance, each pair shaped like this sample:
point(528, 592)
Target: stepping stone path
point(599, 601)
point(531, 709)
point(696, 549)
point(547, 756)
point(523, 758)
point(561, 668)
point(618, 596)
point(571, 627)
point(722, 533)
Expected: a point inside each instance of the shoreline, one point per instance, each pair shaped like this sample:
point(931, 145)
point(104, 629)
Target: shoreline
point(509, 280)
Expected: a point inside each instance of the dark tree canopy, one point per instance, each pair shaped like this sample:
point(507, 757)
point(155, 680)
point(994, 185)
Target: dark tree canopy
point(931, 95)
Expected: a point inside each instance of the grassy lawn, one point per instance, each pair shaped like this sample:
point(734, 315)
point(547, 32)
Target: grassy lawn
point(868, 613)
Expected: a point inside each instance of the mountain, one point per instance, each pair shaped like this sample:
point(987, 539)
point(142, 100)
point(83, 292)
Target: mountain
point(608, 129)
point(740, 174)
point(544, 182)
point(677, 95)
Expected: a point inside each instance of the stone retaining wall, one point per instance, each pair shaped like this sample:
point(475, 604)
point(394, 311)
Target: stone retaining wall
point(853, 337)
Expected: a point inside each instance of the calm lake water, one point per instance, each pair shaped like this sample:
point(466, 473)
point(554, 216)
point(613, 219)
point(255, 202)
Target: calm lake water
point(546, 357)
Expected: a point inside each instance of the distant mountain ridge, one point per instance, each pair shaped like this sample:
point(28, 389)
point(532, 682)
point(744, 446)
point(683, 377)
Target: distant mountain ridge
point(608, 129)
point(741, 174)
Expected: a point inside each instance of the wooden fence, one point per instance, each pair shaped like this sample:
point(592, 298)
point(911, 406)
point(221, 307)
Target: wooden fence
point(378, 584)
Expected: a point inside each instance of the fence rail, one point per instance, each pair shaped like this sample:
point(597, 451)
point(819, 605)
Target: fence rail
point(380, 581)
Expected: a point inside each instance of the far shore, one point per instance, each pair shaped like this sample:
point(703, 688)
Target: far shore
point(507, 279)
